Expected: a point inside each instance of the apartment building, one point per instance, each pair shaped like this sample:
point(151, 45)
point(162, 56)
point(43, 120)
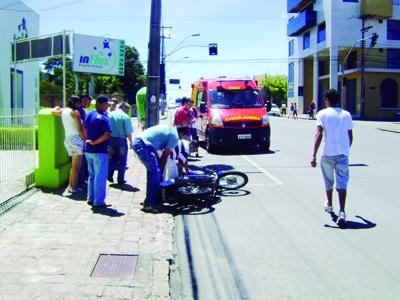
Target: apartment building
point(322, 33)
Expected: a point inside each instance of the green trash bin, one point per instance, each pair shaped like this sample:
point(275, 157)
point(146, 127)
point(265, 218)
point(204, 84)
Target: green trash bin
point(141, 105)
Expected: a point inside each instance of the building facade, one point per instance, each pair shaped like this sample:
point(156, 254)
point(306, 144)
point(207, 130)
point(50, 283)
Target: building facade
point(17, 21)
point(322, 33)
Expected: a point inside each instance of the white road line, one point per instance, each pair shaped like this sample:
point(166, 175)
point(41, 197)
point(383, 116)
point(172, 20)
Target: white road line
point(262, 170)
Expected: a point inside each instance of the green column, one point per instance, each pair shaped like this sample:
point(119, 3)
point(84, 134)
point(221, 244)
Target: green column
point(54, 162)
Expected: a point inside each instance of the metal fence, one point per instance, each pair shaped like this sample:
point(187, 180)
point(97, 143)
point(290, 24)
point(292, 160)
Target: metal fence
point(18, 157)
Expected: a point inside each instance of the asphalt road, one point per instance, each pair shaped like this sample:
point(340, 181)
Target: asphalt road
point(274, 240)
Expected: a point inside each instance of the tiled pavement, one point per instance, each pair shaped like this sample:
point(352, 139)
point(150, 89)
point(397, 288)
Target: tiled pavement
point(50, 244)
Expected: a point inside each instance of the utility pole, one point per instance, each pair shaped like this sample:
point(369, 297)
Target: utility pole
point(362, 98)
point(153, 66)
point(163, 85)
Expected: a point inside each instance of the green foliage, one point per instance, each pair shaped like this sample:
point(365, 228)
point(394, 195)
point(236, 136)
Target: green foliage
point(134, 78)
point(275, 88)
point(18, 138)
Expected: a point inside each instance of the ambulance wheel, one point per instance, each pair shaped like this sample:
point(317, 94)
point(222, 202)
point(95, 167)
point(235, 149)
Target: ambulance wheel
point(210, 147)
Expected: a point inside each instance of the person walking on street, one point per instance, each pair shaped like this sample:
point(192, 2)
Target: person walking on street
point(75, 137)
point(283, 109)
point(159, 137)
point(335, 125)
point(295, 116)
point(311, 109)
point(291, 109)
point(121, 127)
point(98, 130)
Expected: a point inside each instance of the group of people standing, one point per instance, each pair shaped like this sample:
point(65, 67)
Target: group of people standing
point(97, 143)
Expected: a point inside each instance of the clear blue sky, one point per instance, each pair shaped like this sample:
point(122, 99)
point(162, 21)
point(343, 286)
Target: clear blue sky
point(251, 35)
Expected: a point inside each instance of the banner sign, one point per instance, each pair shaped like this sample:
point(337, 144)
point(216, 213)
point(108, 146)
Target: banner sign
point(98, 55)
point(40, 47)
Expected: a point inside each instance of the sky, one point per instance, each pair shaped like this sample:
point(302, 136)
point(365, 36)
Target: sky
point(251, 35)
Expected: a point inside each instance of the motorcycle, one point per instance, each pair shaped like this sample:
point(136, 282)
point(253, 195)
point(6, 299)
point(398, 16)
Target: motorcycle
point(202, 185)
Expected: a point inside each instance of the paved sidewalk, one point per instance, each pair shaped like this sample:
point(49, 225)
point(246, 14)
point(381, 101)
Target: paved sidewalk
point(50, 245)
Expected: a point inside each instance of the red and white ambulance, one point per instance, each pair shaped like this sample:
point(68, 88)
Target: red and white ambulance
point(230, 112)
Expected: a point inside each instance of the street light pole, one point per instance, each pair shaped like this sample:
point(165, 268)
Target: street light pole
point(153, 66)
point(163, 85)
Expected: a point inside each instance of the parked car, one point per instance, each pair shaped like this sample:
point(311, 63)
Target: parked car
point(274, 110)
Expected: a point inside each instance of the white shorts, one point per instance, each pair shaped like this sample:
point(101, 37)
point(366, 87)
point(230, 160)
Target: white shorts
point(74, 145)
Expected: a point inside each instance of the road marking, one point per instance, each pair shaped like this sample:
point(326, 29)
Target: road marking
point(262, 170)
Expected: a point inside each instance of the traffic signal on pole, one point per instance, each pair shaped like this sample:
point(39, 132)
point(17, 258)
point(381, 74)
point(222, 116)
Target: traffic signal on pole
point(213, 49)
point(374, 39)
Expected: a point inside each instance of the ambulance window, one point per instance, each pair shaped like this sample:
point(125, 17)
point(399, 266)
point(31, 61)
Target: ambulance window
point(199, 98)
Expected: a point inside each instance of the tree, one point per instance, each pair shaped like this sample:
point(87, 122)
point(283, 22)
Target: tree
point(134, 78)
point(275, 88)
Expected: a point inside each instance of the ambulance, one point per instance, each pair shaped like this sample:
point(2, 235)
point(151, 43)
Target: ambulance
point(230, 112)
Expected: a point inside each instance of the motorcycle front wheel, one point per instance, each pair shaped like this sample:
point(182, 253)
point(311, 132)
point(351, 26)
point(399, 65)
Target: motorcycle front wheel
point(232, 180)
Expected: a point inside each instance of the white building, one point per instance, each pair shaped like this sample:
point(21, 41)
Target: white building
point(17, 21)
point(321, 33)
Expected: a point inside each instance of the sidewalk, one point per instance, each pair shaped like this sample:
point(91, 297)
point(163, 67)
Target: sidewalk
point(385, 126)
point(50, 245)
point(391, 127)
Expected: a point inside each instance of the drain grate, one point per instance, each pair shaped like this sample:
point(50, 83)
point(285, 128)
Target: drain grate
point(115, 266)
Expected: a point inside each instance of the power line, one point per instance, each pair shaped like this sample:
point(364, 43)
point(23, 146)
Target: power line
point(4, 8)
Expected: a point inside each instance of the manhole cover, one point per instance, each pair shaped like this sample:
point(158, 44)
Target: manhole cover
point(115, 266)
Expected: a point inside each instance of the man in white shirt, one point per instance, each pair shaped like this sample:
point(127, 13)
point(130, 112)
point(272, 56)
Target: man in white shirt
point(335, 125)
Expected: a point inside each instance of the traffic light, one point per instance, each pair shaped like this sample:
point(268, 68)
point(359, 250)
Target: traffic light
point(374, 39)
point(213, 49)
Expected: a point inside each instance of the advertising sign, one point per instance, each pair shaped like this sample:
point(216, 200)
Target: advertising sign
point(98, 55)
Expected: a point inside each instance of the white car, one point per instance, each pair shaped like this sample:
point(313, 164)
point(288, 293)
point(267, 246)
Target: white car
point(274, 110)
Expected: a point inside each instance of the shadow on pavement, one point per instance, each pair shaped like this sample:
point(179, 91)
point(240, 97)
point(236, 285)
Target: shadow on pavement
point(233, 193)
point(189, 207)
point(81, 196)
point(106, 211)
point(124, 187)
point(212, 167)
point(365, 224)
point(358, 165)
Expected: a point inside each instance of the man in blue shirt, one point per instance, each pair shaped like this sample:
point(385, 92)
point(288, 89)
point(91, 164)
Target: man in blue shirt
point(98, 132)
point(121, 126)
point(159, 137)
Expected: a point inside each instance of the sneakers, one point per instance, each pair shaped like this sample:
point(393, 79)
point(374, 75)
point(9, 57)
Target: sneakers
point(341, 220)
point(328, 209)
point(110, 178)
point(74, 191)
point(150, 209)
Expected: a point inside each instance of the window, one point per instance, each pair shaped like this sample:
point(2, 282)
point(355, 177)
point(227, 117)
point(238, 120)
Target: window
point(396, 2)
point(306, 40)
point(389, 93)
point(350, 0)
point(321, 32)
point(291, 81)
point(291, 47)
point(393, 29)
point(393, 58)
point(352, 60)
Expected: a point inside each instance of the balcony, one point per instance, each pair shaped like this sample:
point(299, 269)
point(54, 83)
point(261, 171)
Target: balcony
point(380, 9)
point(294, 6)
point(302, 23)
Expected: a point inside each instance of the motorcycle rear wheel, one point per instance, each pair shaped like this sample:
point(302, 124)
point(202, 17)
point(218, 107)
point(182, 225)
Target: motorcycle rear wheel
point(194, 191)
